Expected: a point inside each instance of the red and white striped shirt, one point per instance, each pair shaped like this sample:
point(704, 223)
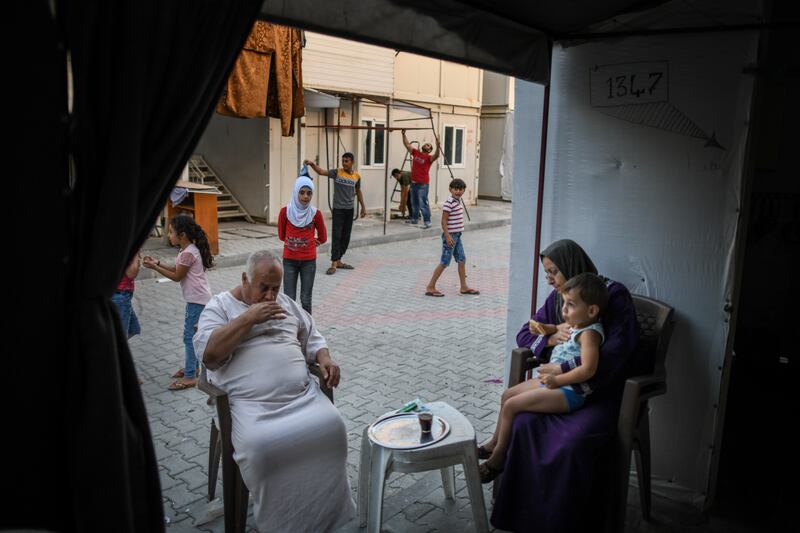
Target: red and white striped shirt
point(455, 219)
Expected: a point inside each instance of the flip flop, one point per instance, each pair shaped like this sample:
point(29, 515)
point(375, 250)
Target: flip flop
point(330, 271)
point(179, 374)
point(180, 385)
point(345, 266)
point(488, 473)
point(436, 294)
point(470, 291)
point(483, 453)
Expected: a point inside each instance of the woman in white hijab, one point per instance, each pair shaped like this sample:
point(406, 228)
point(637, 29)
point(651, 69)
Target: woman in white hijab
point(301, 227)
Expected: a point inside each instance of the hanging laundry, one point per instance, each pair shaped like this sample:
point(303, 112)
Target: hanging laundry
point(267, 78)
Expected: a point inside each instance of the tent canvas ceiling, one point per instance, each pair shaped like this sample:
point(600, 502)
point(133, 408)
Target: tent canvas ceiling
point(509, 37)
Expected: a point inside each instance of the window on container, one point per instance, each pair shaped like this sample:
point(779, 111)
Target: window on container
point(454, 145)
point(374, 144)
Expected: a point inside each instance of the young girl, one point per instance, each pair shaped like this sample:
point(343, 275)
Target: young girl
point(190, 266)
point(124, 295)
point(297, 223)
point(585, 297)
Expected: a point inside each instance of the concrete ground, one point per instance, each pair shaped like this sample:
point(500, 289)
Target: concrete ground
point(239, 238)
point(393, 344)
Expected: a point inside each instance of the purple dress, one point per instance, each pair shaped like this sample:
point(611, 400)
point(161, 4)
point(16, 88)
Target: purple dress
point(558, 467)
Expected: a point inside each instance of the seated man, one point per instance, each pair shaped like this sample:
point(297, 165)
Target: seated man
point(289, 440)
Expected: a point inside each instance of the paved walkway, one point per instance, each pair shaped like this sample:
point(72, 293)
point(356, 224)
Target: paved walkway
point(393, 344)
point(237, 239)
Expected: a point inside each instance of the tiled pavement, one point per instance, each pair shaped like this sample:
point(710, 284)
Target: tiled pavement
point(393, 344)
point(238, 238)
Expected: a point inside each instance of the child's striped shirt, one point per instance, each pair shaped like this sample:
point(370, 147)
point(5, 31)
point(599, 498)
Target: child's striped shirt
point(455, 220)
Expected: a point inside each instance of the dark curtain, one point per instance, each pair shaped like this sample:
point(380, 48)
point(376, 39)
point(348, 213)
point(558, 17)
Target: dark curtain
point(146, 77)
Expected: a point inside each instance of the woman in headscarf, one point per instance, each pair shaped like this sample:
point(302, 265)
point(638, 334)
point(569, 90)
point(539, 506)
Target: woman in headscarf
point(298, 223)
point(558, 467)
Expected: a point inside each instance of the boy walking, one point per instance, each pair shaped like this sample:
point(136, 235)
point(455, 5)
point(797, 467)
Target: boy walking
point(452, 228)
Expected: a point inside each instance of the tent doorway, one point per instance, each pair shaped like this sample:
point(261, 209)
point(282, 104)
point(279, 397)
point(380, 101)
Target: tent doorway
point(753, 481)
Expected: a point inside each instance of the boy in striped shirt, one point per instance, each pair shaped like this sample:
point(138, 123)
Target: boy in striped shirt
point(452, 227)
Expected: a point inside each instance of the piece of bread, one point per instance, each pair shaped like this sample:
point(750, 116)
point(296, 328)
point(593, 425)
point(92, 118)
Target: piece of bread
point(537, 328)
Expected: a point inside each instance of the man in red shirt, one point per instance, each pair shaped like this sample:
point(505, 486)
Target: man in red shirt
point(421, 161)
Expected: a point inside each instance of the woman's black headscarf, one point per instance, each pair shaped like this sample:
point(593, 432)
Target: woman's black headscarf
point(571, 260)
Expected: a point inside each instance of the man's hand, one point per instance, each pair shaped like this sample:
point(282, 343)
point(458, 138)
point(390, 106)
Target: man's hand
point(263, 311)
point(315, 167)
point(548, 380)
point(449, 239)
point(331, 373)
point(549, 369)
point(405, 142)
point(363, 211)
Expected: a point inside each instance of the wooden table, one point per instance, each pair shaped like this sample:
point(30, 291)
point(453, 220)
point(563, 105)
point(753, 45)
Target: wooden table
point(201, 203)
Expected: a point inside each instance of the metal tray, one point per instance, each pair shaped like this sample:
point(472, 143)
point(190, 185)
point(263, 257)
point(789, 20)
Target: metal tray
point(401, 431)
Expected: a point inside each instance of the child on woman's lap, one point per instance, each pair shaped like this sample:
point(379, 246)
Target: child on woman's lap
point(585, 296)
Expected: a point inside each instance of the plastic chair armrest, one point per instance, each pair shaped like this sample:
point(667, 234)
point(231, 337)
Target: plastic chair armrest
point(637, 391)
point(317, 372)
point(212, 390)
point(522, 360)
point(647, 386)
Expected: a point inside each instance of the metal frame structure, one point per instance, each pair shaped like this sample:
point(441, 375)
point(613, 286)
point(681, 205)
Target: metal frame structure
point(390, 103)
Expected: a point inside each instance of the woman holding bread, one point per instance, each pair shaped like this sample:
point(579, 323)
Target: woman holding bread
point(556, 460)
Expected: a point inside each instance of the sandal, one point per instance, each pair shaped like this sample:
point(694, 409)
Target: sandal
point(181, 385)
point(488, 473)
point(435, 293)
point(483, 453)
point(345, 266)
point(331, 270)
point(179, 374)
point(470, 291)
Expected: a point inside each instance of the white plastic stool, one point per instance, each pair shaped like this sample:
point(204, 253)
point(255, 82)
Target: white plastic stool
point(458, 447)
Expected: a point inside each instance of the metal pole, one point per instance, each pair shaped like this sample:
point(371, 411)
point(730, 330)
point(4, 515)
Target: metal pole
point(412, 118)
point(346, 127)
point(539, 199)
point(386, 213)
point(447, 164)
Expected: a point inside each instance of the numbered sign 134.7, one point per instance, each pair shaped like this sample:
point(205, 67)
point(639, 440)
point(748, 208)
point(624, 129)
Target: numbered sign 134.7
point(629, 83)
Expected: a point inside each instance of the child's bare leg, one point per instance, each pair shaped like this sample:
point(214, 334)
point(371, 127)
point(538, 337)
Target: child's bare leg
point(462, 276)
point(437, 272)
point(519, 388)
point(540, 400)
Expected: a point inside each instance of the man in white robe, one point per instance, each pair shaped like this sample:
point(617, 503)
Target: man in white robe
point(290, 442)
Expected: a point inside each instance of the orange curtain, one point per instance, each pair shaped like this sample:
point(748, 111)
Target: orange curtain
point(267, 79)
